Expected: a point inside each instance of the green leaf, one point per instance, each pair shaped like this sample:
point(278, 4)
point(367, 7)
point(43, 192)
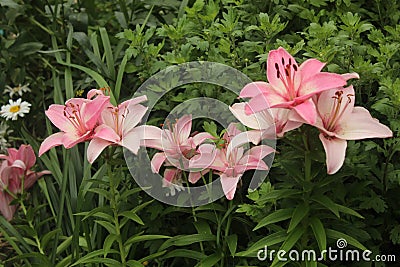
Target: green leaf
point(349, 211)
point(319, 232)
point(210, 261)
point(108, 52)
point(328, 203)
point(183, 240)
point(110, 227)
point(108, 242)
point(140, 238)
point(350, 240)
point(276, 216)
point(132, 216)
point(231, 240)
point(290, 241)
point(92, 257)
point(299, 213)
point(185, 253)
point(270, 240)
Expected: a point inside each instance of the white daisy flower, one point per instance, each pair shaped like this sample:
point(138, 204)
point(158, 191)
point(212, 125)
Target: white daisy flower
point(20, 89)
point(15, 109)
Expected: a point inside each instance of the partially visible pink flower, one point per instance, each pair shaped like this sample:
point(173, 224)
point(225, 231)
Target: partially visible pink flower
point(118, 126)
point(290, 86)
point(177, 145)
point(232, 160)
point(271, 123)
point(77, 120)
point(178, 149)
point(338, 120)
point(15, 171)
point(6, 208)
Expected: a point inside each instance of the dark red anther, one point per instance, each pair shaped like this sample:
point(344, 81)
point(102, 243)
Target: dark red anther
point(278, 74)
point(287, 72)
point(276, 66)
point(290, 61)
point(283, 61)
point(295, 67)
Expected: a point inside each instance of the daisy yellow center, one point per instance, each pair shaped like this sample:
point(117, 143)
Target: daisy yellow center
point(15, 109)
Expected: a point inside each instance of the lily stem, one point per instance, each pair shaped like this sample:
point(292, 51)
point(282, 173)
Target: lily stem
point(116, 220)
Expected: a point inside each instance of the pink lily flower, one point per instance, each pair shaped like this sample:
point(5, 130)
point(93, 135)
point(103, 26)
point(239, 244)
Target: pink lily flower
point(15, 172)
point(271, 123)
point(21, 161)
point(179, 148)
point(232, 160)
point(338, 120)
point(290, 86)
point(6, 208)
point(119, 127)
point(77, 120)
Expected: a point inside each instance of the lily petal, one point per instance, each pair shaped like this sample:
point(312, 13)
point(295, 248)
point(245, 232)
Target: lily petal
point(157, 161)
point(96, 146)
point(360, 125)
point(229, 185)
point(335, 150)
point(50, 142)
point(307, 111)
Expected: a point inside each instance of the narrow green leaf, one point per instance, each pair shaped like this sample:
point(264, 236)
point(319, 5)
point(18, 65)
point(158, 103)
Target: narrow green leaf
point(108, 52)
point(93, 255)
point(350, 240)
point(349, 211)
point(108, 242)
point(299, 213)
point(231, 240)
point(210, 261)
point(270, 240)
point(185, 253)
point(132, 216)
point(328, 203)
point(110, 228)
point(120, 75)
point(64, 245)
point(319, 232)
point(140, 238)
point(276, 216)
point(183, 240)
point(289, 243)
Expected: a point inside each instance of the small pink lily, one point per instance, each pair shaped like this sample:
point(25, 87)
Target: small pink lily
point(338, 120)
point(77, 120)
point(272, 123)
point(16, 176)
point(6, 208)
point(290, 86)
point(118, 126)
point(232, 161)
point(179, 148)
point(22, 160)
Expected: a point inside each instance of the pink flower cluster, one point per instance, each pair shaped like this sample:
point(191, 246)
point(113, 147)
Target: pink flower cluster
point(199, 154)
point(96, 120)
point(303, 94)
point(16, 176)
point(294, 95)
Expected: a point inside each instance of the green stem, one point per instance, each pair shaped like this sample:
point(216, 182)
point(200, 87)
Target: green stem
point(307, 159)
point(39, 246)
point(191, 204)
point(116, 220)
